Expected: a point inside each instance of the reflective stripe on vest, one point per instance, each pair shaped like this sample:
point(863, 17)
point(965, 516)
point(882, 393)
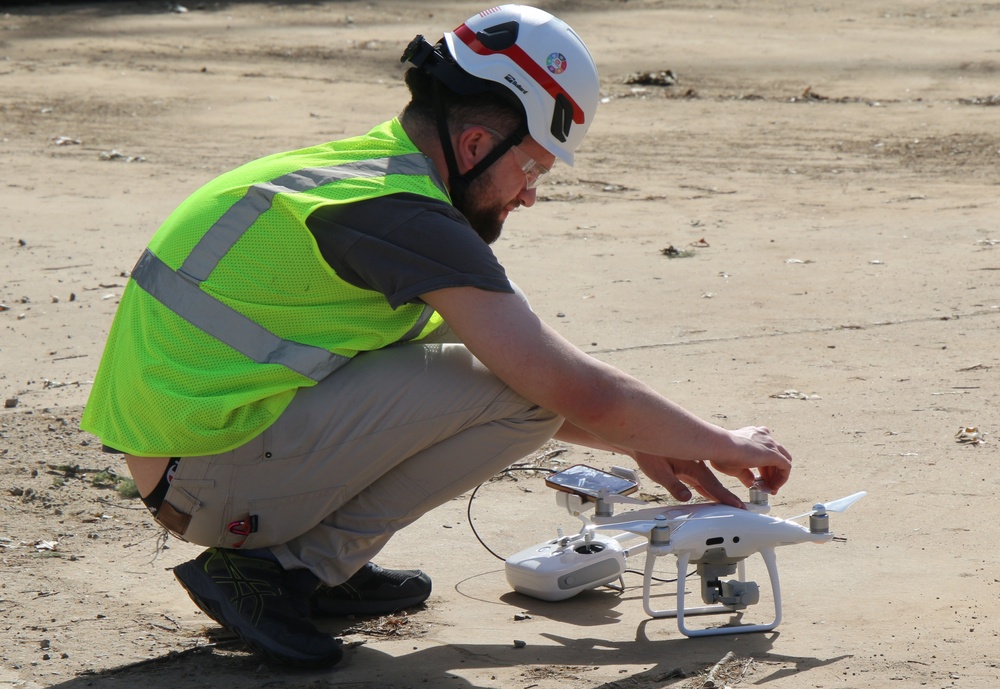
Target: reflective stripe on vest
point(241, 215)
point(179, 290)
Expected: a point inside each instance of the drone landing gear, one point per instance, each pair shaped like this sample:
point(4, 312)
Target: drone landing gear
point(723, 596)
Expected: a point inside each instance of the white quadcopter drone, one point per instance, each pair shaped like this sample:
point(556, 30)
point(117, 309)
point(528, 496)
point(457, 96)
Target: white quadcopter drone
point(716, 538)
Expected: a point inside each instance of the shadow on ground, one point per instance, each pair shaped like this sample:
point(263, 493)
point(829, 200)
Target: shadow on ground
point(368, 668)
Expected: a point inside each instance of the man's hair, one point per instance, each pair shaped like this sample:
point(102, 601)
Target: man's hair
point(487, 108)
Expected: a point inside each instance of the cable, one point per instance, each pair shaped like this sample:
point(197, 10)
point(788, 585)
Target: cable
point(468, 509)
point(658, 579)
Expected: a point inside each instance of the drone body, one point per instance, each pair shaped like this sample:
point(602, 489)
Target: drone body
point(716, 539)
point(711, 528)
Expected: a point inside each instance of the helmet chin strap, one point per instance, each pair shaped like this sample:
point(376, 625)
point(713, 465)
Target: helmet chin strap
point(458, 184)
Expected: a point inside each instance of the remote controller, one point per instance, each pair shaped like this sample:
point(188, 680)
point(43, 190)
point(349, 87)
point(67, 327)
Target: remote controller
point(563, 567)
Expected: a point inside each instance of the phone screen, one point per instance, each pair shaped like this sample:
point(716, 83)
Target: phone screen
point(586, 480)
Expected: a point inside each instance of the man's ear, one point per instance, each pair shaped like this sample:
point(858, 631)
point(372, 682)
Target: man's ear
point(473, 145)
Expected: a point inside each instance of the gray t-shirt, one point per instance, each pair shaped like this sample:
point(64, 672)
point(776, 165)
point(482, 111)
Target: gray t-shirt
point(403, 246)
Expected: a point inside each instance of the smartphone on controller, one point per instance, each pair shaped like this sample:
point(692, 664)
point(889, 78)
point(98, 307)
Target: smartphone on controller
point(587, 482)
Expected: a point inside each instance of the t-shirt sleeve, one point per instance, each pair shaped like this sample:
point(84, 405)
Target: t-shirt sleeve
point(403, 246)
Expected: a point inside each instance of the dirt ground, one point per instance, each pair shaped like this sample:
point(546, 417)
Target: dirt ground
point(799, 228)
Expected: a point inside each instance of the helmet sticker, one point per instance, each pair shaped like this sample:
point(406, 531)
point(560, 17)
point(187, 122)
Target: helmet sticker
point(513, 82)
point(556, 63)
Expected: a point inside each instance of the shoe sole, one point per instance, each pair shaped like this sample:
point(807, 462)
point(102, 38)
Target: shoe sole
point(197, 583)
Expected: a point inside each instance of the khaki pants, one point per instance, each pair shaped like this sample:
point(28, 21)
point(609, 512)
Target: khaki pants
point(352, 460)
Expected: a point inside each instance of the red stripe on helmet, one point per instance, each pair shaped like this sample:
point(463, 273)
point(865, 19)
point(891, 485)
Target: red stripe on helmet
point(524, 61)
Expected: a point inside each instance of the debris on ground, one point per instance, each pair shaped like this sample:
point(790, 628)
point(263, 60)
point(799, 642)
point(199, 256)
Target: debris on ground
point(970, 435)
point(728, 672)
point(670, 251)
point(118, 155)
point(794, 395)
point(663, 77)
point(984, 100)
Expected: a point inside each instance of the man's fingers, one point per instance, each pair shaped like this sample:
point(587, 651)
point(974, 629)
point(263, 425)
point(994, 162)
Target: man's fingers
point(663, 473)
point(774, 478)
point(719, 493)
point(746, 477)
point(676, 488)
point(708, 484)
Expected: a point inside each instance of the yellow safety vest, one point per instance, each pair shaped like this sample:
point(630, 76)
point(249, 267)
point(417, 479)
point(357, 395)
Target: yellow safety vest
point(232, 308)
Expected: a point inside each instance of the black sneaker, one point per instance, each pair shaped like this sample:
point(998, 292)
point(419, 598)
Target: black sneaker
point(372, 591)
point(253, 598)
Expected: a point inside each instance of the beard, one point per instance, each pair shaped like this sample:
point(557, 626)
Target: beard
point(484, 216)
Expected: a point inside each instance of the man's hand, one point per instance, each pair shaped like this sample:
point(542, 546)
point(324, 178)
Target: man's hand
point(756, 449)
point(677, 474)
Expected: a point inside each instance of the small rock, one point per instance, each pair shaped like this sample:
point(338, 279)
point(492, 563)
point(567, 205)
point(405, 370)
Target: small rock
point(10, 402)
point(663, 77)
point(519, 644)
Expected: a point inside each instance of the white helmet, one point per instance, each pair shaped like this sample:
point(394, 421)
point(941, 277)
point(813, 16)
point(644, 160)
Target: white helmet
point(539, 59)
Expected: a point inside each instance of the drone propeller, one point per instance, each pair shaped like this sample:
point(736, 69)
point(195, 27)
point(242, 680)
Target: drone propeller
point(839, 505)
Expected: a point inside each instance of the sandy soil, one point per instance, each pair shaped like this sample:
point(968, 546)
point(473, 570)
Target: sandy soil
point(811, 207)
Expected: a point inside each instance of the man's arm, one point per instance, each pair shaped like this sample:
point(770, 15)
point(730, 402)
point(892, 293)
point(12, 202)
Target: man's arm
point(595, 398)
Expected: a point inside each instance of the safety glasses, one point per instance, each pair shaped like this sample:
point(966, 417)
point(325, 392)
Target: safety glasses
point(534, 172)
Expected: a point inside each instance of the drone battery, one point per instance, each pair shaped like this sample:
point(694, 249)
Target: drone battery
point(563, 567)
